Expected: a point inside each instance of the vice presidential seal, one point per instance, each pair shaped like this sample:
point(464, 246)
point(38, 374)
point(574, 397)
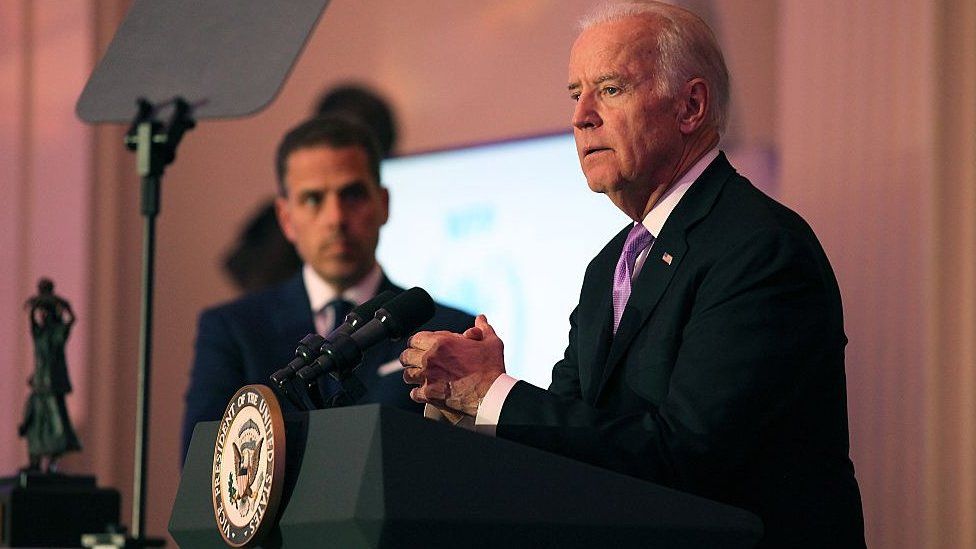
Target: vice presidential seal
point(248, 466)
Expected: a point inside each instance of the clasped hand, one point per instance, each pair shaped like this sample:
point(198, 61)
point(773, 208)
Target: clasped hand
point(454, 371)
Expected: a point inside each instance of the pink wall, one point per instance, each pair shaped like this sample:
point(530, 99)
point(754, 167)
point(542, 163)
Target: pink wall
point(838, 90)
point(46, 185)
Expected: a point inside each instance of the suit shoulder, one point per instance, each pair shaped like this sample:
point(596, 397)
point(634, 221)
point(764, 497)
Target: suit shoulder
point(252, 305)
point(748, 228)
point(743, 210)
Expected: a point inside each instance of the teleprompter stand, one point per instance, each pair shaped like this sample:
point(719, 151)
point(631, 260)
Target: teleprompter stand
point(371, 476)
point(189, 60)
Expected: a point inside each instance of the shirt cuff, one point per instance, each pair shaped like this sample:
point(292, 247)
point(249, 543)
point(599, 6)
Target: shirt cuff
point(490, 408)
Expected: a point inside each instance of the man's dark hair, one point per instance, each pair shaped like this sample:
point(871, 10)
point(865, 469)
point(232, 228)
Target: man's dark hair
point(366, 106)
point(333, 130)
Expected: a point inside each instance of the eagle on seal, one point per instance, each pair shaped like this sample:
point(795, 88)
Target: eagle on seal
point(247, 456)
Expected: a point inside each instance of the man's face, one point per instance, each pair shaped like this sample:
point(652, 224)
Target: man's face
point(333, 211)
point(627, 135)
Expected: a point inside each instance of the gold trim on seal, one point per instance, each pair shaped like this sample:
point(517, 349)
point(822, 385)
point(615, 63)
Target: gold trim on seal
point(248, 466)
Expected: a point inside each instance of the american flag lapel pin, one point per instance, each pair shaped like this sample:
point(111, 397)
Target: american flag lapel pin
point(667, 258)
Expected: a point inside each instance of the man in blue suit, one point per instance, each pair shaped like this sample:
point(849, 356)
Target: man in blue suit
point(331, 206)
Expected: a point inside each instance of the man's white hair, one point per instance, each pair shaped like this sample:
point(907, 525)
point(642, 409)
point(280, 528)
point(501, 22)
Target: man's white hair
point(687, 49)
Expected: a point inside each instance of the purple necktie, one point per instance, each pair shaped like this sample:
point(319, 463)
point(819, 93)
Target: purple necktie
point(637, 241)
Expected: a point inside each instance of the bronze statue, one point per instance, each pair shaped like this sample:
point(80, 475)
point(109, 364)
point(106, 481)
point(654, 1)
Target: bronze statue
point(46, 425)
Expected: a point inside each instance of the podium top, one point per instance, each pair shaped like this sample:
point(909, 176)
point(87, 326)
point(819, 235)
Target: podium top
point(226, 58)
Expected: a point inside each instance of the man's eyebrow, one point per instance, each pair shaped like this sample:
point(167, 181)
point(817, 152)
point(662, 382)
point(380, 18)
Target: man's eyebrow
point(353, 184)
point(607, 78)
point(600, 79)
point(307, 193)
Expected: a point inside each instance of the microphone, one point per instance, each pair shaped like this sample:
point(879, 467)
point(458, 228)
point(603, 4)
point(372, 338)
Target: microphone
point(310, 346)
point(307, 351)
point(360, 315)
point(402, 315)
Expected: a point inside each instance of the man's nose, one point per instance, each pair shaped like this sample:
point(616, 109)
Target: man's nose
point(333, 213)
point(585, 115)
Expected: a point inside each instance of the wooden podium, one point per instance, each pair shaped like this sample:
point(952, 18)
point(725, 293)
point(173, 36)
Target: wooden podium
point(371, 476)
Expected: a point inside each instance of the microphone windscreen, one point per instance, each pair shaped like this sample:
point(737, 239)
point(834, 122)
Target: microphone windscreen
point(408, 310)
point(367, 310)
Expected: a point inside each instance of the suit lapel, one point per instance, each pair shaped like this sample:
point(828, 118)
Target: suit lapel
point(659, 269)
point(292, 312)
point(653, 280)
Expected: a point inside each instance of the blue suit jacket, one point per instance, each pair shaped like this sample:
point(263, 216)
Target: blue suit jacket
point(246, 340)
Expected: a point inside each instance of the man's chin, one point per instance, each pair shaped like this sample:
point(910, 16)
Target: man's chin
point(601, 183)
point(342, 276)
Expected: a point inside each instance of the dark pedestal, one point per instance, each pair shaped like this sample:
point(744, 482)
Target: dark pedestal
point(352, 481)
point(53, 510)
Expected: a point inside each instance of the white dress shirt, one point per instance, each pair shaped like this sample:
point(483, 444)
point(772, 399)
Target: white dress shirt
point(320, 293)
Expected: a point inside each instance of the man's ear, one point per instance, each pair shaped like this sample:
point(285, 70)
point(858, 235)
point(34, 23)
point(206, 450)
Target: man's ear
point(695, 102)
point(284, 218)
point(385, 197)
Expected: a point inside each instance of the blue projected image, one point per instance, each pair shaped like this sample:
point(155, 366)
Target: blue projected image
point(505, 229)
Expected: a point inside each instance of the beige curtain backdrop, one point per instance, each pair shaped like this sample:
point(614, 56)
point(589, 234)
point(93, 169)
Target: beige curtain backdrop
point(869, 106)
point(876, 132)
point(950, 444)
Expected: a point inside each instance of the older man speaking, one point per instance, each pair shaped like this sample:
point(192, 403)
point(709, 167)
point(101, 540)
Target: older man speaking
point(707, 349)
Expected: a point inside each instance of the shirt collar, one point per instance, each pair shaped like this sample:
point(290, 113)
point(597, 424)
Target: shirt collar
point(320, 292)
point(654, 220)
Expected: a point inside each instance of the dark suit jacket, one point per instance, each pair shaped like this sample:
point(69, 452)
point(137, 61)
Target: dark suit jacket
point(726, 376)
point(246, 340)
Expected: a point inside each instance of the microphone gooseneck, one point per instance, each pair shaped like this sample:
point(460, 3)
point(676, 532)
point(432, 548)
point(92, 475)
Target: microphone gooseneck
point(310, 347)
point(397, 318)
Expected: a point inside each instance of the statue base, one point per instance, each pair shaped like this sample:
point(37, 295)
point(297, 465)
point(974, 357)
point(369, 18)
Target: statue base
point(53, 509)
